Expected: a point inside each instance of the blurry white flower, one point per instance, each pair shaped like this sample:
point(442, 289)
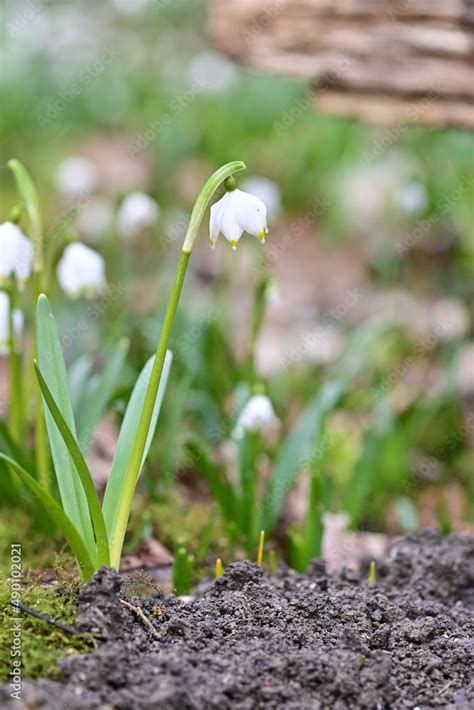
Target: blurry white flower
point(76, 176)
point(257, 415)
point(215, 73)
point(16, 253)
point(137, 211)
point(130, 7)
point(411, 198)
point(267, 190)
point(96, 218)
point(81, 271)
point(450, 319)
point(235, 213)
point(5, 323)
point(465, 369)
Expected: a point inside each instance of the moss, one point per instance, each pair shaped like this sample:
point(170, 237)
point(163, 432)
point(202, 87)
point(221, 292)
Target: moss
point(179, 519)
point(42, 645)
point(38, 546)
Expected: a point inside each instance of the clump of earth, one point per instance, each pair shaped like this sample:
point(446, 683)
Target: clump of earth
point(252, 640)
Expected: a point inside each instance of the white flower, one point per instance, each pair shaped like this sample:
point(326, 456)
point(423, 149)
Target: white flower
point(267, 190)
point(5, 323)
point(16, 253)
point(137, 211)
point(257, 415)
point(81, 271)
point(450, 319)
point(412, 198)
point(235, 213)
point(213, 73)
point(96, 218)
point(76, 176)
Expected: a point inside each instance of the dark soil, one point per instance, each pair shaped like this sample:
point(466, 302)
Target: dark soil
point(291, 641)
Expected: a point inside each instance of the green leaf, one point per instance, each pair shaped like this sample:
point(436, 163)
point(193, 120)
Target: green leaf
point(116, 506)
point(51, 363)
point(103, 556)
point(30, 196)
point(58, 515)
point(220, 488)
point(79, 373)
point(299, 449)
point(97, 395)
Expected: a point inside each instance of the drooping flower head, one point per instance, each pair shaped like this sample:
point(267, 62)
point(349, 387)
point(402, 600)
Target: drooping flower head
point(257, 415)
point(137, 212)
point(235, 213)
point(5, 323)
point(81, 271)
point(16, 253)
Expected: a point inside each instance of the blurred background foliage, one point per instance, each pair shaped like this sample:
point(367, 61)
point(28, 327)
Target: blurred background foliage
point(134, 87)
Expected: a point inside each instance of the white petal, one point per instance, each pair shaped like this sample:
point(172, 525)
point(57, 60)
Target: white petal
point(16, 252)
point(75, 176)
point(18, 320)
point(251, 213)
point(24, 262)
point(257, 415)
point(81, 271)
point(215, 222)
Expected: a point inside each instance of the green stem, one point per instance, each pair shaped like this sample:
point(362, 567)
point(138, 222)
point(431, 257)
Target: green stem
point(41, 445)
point(16, 390)
point(136, 461)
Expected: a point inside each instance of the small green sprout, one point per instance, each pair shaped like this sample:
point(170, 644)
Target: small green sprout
point(219, 568)
point(182, 571)
point(261, 543)
point(372, 574)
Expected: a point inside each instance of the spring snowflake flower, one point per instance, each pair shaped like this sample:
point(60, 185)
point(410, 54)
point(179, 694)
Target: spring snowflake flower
point(16, 253)
point(257, 415)
point(235, 213)
point(81, 271)
point(5, 323)
point(76, 176)
point(137, 212)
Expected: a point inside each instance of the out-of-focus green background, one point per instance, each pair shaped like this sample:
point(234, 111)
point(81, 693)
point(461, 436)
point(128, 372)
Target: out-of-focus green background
point(367, 228)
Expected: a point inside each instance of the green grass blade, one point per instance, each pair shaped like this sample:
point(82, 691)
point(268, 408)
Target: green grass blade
point(299, 449)
point(119, 491)
point(58, 515)
point(220, 488)
point(51, 363)
point(93, 405)
point(30, 197)
point(103, 556)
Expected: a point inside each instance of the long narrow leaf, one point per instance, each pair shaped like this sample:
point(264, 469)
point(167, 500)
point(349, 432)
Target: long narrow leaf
point(103, 556)
point(51, 363)
point(58, 515)
point(30, 197)
point(113, 499)
point(221, 490)
point(93, 405)
point(299, 449)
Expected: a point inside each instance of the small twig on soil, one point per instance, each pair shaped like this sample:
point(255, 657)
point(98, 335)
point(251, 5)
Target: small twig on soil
point(443, 690)
point(43, 617)
point(139, 612)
